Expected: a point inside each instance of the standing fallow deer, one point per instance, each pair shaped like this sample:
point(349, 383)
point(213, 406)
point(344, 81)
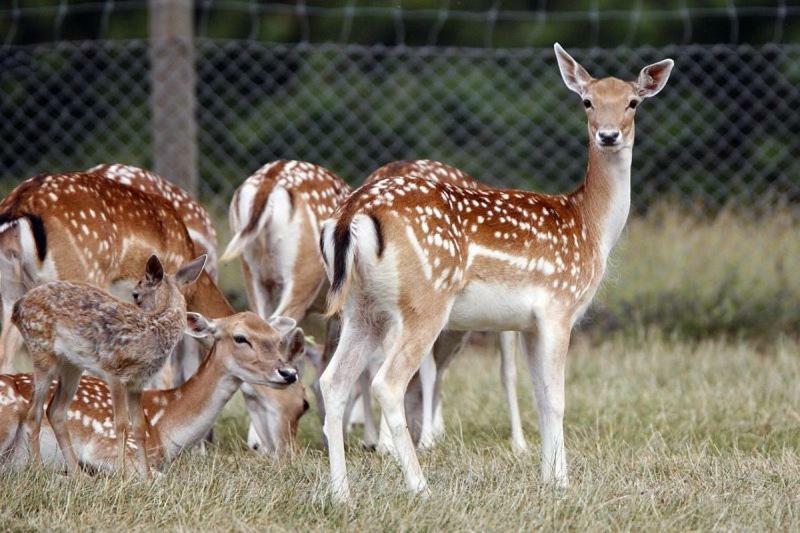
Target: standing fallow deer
point(82, 227)
point(194, 215)
point(245, 349)
point(274, 218)
point(410, 256)
point(70, 328)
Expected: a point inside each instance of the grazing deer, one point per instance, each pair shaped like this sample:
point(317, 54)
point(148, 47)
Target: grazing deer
point(81, 227)
point(245, 350)
point(195, 217)
point(410, 256)
point(70, 328)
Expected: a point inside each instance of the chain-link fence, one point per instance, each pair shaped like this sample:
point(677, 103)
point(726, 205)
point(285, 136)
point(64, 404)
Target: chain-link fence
point(724, 132)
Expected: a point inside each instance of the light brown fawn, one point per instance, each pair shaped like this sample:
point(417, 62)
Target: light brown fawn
point(410, 256)
point(80, 226)
point(194, 215)
point(70, 328)
point(245, 349)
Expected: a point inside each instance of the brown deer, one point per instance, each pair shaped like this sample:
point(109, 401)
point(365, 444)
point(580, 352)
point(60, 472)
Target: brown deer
point(410, 256)
point(70, 328)
point(82, 227)
point(245, 350)
point(194, 215)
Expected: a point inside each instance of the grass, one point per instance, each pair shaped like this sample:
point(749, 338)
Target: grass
point(661, 434)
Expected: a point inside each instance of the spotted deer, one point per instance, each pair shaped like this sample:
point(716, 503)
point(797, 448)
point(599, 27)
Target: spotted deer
point(245, 349)
point(70, 328)
point(410, 256)
point(82, 227)
point(194, 215)
point(423, 402)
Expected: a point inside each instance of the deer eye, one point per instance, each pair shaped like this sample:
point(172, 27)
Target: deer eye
point(241, 339)
point(587, 103)
point(633, 104)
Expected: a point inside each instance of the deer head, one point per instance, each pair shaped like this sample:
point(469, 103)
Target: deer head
point(610, 102)
point(156, 289)
point(251, 348)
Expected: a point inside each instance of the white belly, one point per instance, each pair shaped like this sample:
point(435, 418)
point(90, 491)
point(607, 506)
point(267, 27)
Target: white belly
point(495, 307)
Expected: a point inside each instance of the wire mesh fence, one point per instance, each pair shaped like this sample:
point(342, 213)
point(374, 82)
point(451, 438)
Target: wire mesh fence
point(710, 139)
point(723, 133)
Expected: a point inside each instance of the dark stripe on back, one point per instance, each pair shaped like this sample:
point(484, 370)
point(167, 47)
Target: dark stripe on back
point(341, 243)
point(262, 195)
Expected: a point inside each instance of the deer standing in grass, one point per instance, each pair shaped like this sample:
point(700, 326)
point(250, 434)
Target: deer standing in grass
point(245, 350)
point(83, 227)
point(409, 256)
point(70, 328)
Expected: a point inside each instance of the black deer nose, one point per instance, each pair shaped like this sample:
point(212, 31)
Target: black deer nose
point(608, 137)
point(289, 374)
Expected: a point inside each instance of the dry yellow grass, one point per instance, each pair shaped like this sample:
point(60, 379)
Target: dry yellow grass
point(660, 435)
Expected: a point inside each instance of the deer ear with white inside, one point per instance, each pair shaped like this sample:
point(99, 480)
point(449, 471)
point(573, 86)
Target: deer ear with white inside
point(576, 78)
point(198, 326)
point(653, 78)
point(189, 272)
point(282, 324)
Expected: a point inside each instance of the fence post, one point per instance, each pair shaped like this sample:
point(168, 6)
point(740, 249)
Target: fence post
point(172, 97)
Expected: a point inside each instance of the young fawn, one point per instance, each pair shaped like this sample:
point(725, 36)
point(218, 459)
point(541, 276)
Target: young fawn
point(245, 349)
point(71, 327)
point(410, 256)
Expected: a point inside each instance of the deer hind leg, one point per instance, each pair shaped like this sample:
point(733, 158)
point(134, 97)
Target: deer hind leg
point(70, 377)
point(43, 376)
point(139, 431)
point(358, 341)
point(414, 339)
point(547, 351)
point(445, 349)
point(509, 340)
point(370, 428)
point(119, 401)
point(427, 379)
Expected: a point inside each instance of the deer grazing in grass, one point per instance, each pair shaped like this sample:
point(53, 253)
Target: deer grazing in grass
point(194, 215)
point(409, 256)
point(70, 328)
point(82, 227)
point(245, 350)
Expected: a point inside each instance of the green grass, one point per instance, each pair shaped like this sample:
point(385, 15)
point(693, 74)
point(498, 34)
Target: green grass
point(660, 434)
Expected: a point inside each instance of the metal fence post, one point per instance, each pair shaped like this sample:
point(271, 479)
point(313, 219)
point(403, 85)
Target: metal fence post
point(172, 97)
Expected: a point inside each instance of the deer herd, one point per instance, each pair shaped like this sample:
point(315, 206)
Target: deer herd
point(109, 278)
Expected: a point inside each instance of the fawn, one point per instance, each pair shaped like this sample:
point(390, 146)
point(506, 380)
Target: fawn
point(72, 327)
point(245, 349)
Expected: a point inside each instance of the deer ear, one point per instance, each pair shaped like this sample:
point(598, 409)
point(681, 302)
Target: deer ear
point(153, 271)
point(653, 78)
point(198, 326)
point(295, 345)
point(282, 324)
point(575, 76)
point(189, 272)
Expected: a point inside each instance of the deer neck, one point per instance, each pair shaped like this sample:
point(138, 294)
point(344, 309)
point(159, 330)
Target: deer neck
point(189, 411)
point(605, 196)
point(208, 300)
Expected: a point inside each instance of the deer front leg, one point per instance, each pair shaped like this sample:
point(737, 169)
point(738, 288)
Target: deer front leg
point(139, 427)
point(70, 377)
point(547, 353)
point(119, 400)
point(45, 369)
